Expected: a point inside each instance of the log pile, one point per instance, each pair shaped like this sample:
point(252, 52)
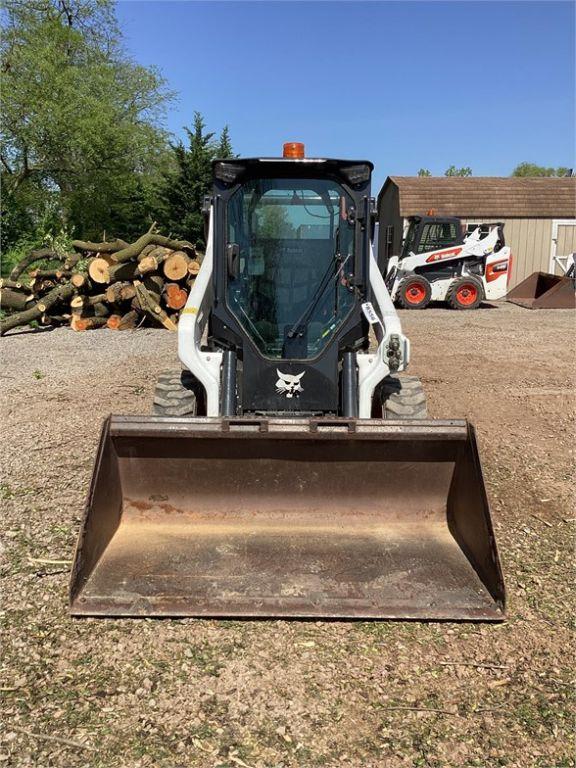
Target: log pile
point(111, 284)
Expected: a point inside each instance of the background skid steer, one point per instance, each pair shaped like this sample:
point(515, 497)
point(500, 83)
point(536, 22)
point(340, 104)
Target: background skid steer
point(262, 486)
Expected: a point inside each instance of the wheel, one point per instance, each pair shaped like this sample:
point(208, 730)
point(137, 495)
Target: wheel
point(465, 293)
point(414, 292)
point(178, 393)
point(400, 397)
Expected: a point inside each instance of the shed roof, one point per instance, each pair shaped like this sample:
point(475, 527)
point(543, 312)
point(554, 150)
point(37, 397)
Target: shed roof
point(487, 196)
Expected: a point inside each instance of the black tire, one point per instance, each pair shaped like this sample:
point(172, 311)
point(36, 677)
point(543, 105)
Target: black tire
point(414, 292)
point(465, 293)
point(400, 397)
point(178, 393)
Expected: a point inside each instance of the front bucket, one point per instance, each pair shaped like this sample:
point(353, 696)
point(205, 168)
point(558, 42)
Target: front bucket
point(542, 290)
point(278, 517)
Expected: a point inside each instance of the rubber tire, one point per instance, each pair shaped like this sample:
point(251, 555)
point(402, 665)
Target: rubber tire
point(406, 283)
point(401, 397)
point(178, 393)
point(453, 302)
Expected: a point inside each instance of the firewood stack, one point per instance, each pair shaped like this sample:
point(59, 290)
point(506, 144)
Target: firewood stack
point(112, 284)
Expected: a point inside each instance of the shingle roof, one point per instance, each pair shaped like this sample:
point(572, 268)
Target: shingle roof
point(488, 196)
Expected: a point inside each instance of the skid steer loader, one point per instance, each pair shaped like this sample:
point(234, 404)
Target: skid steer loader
point(288, 470)
point(438, 264)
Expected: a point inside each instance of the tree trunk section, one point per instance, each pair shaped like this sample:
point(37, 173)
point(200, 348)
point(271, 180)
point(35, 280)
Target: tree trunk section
point(175, 296)
point(175, 266)
point(62, 293)
point(15, 300)
point(86, 323)
point(152, 307)
point(112, 247)
point(42, 254)
point(98, 269)
point(135, 249)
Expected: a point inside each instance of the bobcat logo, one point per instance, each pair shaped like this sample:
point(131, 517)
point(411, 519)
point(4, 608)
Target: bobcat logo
point(288, 384)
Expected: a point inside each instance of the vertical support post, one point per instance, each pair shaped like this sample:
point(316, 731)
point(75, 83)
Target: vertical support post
point(229, 383)
point(349, 386)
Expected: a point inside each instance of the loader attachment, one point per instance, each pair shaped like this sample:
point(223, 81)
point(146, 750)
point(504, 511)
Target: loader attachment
point(542, 290)
point(287, 518)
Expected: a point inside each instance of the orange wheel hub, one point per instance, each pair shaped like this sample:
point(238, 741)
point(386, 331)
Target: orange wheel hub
point(415, 294)
point(467, 294)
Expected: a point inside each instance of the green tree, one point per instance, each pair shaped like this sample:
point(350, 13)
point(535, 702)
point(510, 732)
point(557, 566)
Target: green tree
point(274, 224)
point(224, 148)
point(530, 169)
point(424, 172)
point(80, 127)
point(454, 171)
point(191, 180)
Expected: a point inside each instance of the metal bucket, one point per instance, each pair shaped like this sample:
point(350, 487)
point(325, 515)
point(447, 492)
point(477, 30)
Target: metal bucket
point(287, 517)
point(542, 290)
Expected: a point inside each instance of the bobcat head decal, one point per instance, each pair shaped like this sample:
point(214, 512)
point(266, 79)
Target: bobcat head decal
point(289, 384)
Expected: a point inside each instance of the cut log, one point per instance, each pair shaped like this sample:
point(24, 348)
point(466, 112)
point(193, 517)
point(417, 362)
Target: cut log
point(194, 267)
point(62, 293)
point(72, 260)
point(16, 300)
point(41, 254)
point(111, 247)
point(136, 248)
point(86, 323)
point(154, 283)
point(148, 264)
point(158, 251)
point(146, 251)
point(14, 284)
point(98, 269)
point(113, 322)
point(80, 280)
point(175, 296)
point(149, 305)
point(123, 271)
point(175, 267)
point(128, 321)
point(118, 292)
point(55, 274)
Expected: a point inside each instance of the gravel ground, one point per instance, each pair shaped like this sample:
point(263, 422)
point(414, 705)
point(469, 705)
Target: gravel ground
point(278, 693)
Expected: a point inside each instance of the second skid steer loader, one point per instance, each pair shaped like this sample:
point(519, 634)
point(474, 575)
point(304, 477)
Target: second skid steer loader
point(288, 470)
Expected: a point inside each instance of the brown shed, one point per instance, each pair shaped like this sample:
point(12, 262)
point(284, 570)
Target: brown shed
point(539, 214)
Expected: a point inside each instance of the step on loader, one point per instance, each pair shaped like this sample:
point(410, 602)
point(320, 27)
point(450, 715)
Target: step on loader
point(288, 470)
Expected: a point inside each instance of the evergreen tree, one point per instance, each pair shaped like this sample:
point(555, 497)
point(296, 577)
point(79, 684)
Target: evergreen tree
point(224, 145)
point(191, 180)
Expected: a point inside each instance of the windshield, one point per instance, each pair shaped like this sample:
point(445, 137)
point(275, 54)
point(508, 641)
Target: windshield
point(290, 250)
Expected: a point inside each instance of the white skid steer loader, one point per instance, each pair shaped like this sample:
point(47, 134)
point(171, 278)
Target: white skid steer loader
point(462, 273)
point(288, 470)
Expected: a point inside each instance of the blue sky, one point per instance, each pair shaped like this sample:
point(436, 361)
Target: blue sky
point(404, 84)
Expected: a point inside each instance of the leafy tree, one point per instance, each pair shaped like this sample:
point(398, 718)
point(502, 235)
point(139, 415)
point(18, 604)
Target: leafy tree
point(454, 171)
point(273, 223)
point(530, 169)
point(186, 186)
point(424, 172)
point(80, 118)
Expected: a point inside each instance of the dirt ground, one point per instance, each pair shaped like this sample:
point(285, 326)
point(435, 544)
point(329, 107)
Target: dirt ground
point(176, 693)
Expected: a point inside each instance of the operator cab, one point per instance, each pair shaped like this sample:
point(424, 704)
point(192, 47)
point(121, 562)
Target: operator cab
point(291, 248)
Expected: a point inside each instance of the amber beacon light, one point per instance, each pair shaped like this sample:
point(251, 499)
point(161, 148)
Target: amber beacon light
point(294, 150)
